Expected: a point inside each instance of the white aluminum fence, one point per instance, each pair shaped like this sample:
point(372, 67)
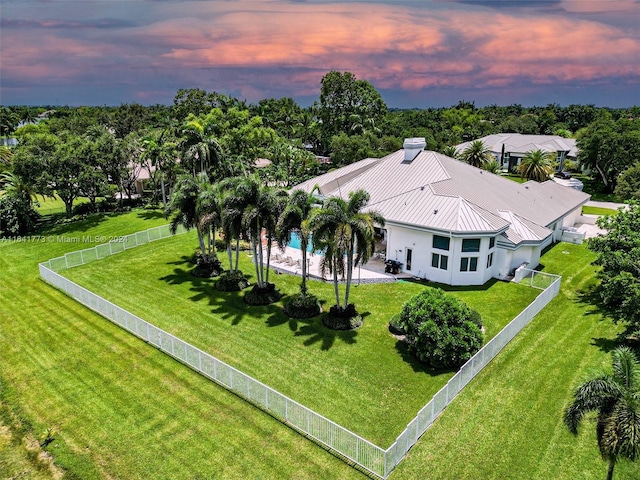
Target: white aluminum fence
point(116, 245)
point(345, 443)
point(469, 370)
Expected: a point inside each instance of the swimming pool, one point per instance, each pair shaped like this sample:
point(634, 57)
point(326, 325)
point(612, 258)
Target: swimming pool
point(295, 242)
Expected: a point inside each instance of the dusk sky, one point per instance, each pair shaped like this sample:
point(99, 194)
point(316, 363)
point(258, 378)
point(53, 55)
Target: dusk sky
point(418, 54)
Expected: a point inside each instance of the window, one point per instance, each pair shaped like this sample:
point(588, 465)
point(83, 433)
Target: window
point(409, 255)
point(492, 242)
point(469, 264)
point(471, 245)
point(439, 261)
point(441, 243)
point(490, 260)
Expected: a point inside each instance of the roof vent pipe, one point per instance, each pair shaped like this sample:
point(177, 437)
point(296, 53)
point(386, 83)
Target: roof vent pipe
point(412, 147)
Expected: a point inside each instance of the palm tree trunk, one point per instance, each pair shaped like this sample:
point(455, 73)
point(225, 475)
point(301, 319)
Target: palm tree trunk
point(349, 275)
point(255, 260)
point(268, 259)
point(201, 240)
point(612, 463)
point(164, 195)
point(303, 246)
point(230, 255)
point(237, 252)
point(335, 283)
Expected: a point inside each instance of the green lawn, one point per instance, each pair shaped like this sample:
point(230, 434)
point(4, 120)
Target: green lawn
point(125, 410)
point(52, 205)
point(598, 211)
point(364, 380)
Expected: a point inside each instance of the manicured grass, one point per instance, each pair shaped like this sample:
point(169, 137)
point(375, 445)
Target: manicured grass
point(53, 205)
point(508, 422)
point(514, 177)
point(364, 380)
point(123, 409)
point(598, 211)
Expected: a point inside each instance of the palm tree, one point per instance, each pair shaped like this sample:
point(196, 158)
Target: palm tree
point(184, 203)
point(258, 207)
point(5, 155)
point(451, 151)
point(616, 399)
point(295, 218)
point(537, 165)
point(476, 154)
point(200, 150)
point(345, 234)
point(492, 166)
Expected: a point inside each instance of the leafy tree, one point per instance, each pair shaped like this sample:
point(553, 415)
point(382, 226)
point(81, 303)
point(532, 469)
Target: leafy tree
point(628, 187)
point(609, 147)
point(525, 124)
point(619, 256)
point(476, 154)
point(442, 331)
point(345, 100)
point(344, 232)
point(615, 397)
point(537, 165)
point(492, 166)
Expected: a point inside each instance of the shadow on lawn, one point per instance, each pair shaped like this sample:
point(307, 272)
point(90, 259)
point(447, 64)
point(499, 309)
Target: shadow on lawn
point(451, 288)
point(150, 214)
point(313, 329)
point(416, 364)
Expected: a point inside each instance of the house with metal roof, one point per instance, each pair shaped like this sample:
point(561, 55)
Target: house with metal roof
point(509, 148)
point(450, 222)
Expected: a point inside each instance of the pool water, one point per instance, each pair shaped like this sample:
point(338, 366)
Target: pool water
point(295, 242)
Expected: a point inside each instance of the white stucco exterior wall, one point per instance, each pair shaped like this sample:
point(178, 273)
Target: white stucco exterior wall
point(399, 239)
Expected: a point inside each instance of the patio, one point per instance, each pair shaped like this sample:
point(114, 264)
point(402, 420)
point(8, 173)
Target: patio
point(290, 261)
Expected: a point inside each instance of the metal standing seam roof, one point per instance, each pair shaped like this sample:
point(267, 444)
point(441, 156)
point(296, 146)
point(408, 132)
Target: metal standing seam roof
point(437, 192)
point(520, 143)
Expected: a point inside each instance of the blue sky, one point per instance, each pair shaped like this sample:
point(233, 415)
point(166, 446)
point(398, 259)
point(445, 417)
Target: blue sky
point(417, 53)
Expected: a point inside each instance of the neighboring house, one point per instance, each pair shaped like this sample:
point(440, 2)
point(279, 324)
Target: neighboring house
point(450, 222)
point(509, 148)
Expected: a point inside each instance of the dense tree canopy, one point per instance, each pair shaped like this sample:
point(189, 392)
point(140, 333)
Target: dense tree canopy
point(619, 257)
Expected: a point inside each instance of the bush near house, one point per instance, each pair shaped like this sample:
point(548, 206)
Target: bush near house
point(442, 331)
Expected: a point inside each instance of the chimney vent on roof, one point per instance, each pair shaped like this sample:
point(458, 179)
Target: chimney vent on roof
point(412, 147)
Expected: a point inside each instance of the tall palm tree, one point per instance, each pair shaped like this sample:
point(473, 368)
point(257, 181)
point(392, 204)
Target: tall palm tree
point(537, 165)
point(476, 154)
point(616, 399)
point(184, 204)
point(295, 219)
point(201, 151)
point(258, 207)
point(344, 232)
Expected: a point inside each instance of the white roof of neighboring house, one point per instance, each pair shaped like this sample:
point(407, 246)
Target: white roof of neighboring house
point(437, 192)
point(519, 143)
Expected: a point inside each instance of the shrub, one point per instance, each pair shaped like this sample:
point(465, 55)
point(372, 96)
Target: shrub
point(395, 326)
point(17, 216)
point(338, 318)
point(262, 296)
point(231, 282)
point(206, 267)
point(299, 306)
point(442, 331)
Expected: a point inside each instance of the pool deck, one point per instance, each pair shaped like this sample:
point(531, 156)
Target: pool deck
point(290, 261)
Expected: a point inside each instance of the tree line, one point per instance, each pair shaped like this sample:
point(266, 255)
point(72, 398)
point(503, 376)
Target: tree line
point(96, 152)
